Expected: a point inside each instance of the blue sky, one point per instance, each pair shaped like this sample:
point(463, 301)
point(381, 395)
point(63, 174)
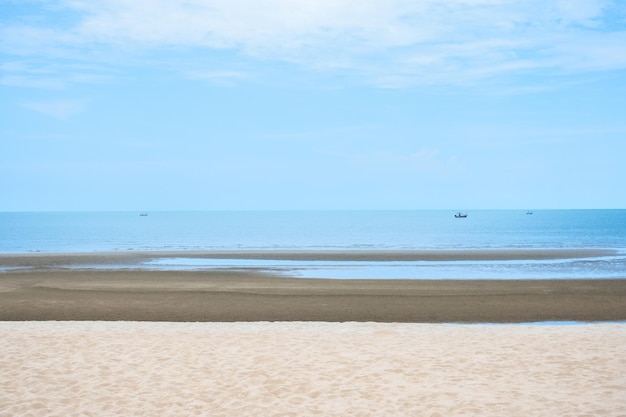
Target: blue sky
point(325, 104)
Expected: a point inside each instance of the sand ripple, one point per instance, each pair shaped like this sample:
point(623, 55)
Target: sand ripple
point(302, 369)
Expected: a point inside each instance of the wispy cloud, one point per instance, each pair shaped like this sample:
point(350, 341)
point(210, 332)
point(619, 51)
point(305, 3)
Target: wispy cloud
point(223, 77)
point(390, 42)
point(58, 109)
point(52, 75)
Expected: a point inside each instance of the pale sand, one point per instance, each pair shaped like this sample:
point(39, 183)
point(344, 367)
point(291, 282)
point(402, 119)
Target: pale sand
point(306, 369)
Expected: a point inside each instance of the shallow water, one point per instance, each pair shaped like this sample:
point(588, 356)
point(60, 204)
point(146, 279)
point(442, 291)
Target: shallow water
point(599, 267)
point(336, 230)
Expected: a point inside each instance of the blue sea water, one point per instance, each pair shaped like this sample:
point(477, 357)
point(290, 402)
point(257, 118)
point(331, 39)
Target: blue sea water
point(26, 232)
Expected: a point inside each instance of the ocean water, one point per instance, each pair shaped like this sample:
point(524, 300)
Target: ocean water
point(27, 232)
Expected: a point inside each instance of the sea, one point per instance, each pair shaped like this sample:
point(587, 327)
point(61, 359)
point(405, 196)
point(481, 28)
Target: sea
point(185, 231)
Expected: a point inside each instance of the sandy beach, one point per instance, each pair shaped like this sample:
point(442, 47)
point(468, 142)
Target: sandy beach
point(307, 369)
point(93, 334)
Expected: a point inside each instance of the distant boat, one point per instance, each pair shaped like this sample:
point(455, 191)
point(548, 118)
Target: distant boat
point(460, 215)
point(143, 214)
point(529, 212)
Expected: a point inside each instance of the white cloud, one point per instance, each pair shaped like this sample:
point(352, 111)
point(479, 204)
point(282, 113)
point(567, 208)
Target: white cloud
point(583, 12)
point(592, 52)
point(391, 42)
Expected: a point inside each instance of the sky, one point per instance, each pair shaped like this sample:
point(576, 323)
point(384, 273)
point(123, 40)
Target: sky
point(312, 104)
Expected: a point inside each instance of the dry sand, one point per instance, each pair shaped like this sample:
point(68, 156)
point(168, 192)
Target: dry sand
point(306, 369)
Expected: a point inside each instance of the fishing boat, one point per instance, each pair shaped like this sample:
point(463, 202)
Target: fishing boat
point(460, 215)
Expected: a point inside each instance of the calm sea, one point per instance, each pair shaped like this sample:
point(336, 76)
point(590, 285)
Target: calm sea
point(26, 232)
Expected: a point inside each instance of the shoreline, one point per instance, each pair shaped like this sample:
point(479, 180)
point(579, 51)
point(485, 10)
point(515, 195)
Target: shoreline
point(59, 259)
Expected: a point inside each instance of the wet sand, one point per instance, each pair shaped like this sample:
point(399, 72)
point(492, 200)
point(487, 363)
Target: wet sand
point(54, 293)
point(135, 258)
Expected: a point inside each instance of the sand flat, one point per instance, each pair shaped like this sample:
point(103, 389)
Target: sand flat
point(52, 260)
point(115, 286)
point(301, 369)
point(231, 295)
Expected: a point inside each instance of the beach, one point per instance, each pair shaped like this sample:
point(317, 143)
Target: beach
point(96, 334)
point(311, 369)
